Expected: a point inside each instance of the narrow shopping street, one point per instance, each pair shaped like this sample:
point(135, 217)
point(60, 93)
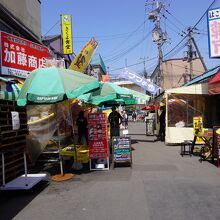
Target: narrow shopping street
point(161, 185)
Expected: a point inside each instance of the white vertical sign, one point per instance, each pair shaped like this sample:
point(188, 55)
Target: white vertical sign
point(214, 32)
point(15, 120)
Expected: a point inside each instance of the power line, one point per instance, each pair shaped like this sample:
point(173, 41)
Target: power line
point(135, 64)
point(51, 28)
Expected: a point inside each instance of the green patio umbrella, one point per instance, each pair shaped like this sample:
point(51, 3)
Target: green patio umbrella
point(51, 85)
point(108, 93)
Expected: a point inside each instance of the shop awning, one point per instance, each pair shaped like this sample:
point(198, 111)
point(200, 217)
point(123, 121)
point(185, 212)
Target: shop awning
point(214, 84)
point(201, 89)
point(8, 90)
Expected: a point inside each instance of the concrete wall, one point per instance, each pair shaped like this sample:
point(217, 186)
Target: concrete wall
point(27, 11)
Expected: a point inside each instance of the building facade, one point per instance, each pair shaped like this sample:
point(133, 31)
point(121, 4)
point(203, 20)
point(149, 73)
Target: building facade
point(176, 72)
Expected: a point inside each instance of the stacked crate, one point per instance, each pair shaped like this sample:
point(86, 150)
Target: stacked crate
point(12, 142)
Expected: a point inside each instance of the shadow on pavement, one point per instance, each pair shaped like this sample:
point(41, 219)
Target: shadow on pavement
point(134, 141)
point(12, 202)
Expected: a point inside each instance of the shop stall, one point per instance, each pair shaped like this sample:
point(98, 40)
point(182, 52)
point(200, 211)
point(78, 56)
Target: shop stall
point(182, 105)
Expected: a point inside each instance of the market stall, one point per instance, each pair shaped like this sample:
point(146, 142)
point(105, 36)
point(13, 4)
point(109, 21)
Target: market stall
point(182, 104)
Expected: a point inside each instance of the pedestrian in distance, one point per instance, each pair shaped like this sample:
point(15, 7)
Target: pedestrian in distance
point(115, 119)
point(125, 119)
point(134, 116)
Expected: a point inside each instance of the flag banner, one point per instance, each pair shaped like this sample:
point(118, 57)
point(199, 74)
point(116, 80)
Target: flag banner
point(82, 59)
point(138, 80)
point(66, 26)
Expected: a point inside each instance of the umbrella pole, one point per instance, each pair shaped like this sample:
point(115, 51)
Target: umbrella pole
point(61, 177)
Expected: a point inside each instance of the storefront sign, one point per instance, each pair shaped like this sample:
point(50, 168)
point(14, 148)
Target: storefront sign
point(66, 22)
point(82, 59)
point(138, 80)
point(121, 147)
point(214, 32)
point(20, 56)
point(97, 135)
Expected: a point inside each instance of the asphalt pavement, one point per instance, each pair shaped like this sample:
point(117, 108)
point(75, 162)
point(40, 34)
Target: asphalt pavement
point(161, 185)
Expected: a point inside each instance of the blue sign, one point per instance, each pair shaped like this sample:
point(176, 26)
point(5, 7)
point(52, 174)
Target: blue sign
point(142, 82)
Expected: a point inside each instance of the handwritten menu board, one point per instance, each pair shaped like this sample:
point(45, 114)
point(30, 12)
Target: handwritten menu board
point(216, 143)
point(122, 149)
point(97, 135)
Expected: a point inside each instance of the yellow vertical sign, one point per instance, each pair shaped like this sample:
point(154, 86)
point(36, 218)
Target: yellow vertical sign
point(198, 128)
point(66, 26)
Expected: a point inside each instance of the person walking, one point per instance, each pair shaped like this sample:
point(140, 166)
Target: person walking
point(115, 119)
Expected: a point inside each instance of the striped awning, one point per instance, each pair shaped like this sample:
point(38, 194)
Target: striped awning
point(8, 91)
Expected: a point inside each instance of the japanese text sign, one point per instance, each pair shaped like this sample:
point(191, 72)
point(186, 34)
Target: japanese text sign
point(97, 135)
point(66, 25)
point(20, 56)
point(214, 32)
point(142, 82)
point(81, 60)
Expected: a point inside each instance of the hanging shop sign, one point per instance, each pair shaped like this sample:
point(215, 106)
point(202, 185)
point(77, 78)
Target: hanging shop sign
point(98, 138)
point(214, 32)
point(66, 29)
point(138, 80)
point(20, 56)
point(82, 59)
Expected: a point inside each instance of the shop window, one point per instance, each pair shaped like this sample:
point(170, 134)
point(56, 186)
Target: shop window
point(183, 107)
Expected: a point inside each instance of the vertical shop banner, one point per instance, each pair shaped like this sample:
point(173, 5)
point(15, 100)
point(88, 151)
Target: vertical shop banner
point(138, 80)
point(214, 32)
point(81, 60)
point(20, 56)
point(66, 26)
point(97, 135)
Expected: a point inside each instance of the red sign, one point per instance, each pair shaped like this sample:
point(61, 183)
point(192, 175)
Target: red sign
point(20, 56)
point(97, 135)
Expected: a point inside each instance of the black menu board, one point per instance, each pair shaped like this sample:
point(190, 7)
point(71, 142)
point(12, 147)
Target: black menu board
point(122, 150)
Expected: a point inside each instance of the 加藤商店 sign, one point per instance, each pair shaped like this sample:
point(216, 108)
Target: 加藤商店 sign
point(20, 56)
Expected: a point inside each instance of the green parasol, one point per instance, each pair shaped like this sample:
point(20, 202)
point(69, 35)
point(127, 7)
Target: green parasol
point(108, 93)
point(51, 85)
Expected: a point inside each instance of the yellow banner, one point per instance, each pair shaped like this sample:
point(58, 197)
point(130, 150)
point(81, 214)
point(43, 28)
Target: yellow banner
point(82, 59)
point(66, 25)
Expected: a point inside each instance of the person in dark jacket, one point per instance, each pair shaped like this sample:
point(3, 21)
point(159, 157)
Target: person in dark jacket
point(162, 118)
point(115, 119)
point(82, 123)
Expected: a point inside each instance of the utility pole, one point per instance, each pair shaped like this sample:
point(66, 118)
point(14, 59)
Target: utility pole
point(159, 37)
point(191, 54)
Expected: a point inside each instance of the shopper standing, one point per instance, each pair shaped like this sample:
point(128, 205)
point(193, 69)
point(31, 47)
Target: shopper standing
point(115, 119)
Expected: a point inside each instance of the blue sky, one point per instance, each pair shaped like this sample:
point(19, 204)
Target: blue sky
point(123, 30)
